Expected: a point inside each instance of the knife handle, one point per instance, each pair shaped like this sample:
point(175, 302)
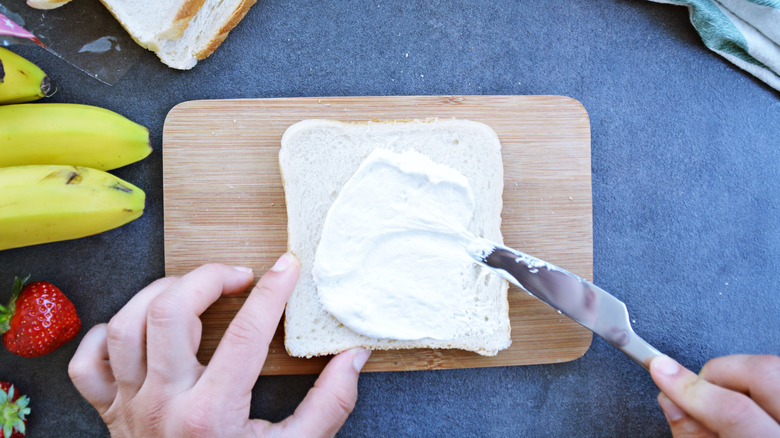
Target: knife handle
point(638, 349)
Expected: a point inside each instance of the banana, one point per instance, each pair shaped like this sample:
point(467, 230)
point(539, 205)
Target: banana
point(21, 80)
point(49, 203)
point(68, 133)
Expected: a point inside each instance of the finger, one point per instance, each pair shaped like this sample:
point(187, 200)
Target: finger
point(758, 376)
point(719, 409)
point(173, 323)
point(328, 404)
point(681, 424)
point(90, 370)
point(126, 338)
point(243, 349)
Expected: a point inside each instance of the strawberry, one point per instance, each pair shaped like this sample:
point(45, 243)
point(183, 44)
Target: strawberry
point(13, 410)
point(38, 320)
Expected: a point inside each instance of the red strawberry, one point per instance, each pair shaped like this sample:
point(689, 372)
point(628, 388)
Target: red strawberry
point(38, 320)
point(13, 410)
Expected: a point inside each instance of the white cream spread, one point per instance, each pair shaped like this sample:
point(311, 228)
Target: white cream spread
point(393, 251)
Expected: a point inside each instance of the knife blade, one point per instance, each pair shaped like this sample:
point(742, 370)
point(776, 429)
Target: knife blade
point(571, 295)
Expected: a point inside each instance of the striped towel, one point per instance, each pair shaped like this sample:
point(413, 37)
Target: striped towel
point(746, 32)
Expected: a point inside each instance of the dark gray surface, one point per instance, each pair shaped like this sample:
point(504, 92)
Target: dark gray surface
point(686, 196)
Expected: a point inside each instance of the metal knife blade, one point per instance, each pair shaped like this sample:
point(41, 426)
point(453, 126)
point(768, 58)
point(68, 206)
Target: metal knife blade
point(570, 294)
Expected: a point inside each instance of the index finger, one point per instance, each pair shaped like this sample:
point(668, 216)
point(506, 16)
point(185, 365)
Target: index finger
point(758, 376)
point(721, 410)
point(242, 351)
point(173, 324)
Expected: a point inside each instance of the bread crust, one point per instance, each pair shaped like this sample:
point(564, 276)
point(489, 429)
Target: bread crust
point(224, 30)
point(182, 19)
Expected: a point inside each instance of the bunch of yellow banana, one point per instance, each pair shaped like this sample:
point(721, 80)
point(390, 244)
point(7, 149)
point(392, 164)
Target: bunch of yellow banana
point(53, 158)
point(21, 80)
point(48, 203)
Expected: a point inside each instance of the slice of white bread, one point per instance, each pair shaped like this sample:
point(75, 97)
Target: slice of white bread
point(205, 33)
point(188, 30)
point(149, 21)
point(317, 157)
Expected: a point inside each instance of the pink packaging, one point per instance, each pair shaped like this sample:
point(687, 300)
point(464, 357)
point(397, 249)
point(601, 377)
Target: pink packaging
point(12, 33)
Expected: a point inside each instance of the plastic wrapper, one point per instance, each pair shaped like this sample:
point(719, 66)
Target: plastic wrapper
point(82, 32)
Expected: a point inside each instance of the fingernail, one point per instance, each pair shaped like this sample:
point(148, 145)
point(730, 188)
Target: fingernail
point(361, 356)
point(671, 410)
point(283, 263)
point(665, 365)
point(242, 269)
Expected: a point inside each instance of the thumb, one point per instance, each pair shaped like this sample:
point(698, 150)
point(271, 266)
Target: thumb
point(328, 404)
point(719, 410)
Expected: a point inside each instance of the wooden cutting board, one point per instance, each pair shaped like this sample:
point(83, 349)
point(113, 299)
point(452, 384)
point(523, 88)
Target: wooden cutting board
point(224, 202)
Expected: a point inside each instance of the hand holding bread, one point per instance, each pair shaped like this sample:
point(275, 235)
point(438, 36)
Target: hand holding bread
point(141, 373)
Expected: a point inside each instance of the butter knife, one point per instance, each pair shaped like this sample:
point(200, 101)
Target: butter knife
point(573, 296)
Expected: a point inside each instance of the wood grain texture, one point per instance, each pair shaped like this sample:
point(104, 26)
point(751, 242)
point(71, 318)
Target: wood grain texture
point(224, 202)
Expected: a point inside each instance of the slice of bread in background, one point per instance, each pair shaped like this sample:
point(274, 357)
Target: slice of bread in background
point(207, 30)
point(317, 158)
point(150, 21)
point(183, 32)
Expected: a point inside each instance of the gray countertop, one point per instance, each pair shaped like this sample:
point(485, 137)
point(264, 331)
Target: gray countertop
point(686, 196)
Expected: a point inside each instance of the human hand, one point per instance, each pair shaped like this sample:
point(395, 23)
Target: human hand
point(733, 396)
point(141, 373)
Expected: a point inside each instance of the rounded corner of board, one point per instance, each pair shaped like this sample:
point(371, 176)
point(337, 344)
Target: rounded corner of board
point(575, 104)
point(580, 352)
point(175, 110)
point(578, 108)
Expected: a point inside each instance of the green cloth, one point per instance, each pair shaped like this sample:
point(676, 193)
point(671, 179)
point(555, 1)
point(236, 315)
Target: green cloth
point(746, 32)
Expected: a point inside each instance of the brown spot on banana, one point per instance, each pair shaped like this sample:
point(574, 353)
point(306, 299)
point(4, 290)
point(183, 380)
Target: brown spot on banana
point(71, 176)
point(121, 188)
point(74, 178)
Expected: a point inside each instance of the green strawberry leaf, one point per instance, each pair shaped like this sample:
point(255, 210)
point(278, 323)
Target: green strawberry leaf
point(6, 312)
point(12, 413)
